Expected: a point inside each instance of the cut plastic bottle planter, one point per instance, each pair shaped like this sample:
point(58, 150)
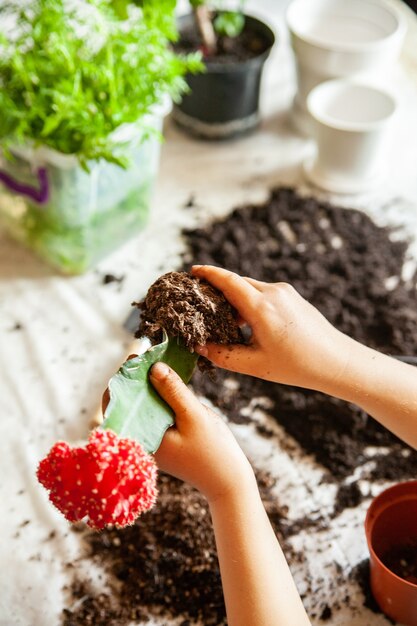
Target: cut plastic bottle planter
point(72, 217)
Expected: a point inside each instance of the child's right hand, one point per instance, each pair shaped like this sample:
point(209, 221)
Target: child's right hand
point(292, 342)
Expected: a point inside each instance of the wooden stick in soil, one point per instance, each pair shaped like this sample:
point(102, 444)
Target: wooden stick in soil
point(205, 26)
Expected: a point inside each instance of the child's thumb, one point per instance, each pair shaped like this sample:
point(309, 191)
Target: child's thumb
point(174, 391)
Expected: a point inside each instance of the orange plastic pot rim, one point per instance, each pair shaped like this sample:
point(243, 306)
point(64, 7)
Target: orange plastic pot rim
point(370, 523)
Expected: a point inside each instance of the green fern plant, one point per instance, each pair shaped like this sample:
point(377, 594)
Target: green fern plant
point(71, 72)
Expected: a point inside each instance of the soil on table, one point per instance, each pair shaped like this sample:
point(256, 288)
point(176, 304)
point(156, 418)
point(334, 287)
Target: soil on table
point(350, 269)
point(165, 564)
point(347, 497)
point(247, 45)
point(188, 308)
point(360, 574)
point(402, 560)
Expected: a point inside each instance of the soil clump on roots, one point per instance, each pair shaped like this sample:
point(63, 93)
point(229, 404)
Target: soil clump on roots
point(188, 308)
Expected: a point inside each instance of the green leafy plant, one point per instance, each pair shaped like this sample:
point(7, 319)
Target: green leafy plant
point(73, 72)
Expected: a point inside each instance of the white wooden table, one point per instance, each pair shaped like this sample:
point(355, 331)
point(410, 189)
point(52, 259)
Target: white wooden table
point(70, 341)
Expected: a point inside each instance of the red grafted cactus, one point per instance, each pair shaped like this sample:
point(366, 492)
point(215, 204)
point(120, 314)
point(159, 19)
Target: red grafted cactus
point(110, 481)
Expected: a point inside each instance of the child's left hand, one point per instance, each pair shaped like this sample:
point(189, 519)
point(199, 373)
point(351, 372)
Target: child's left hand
point(200, 449)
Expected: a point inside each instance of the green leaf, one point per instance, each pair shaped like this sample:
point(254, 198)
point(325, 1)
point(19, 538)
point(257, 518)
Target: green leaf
point(135, 409)
point(51, 123)
point(120, 8)
point(229, 23)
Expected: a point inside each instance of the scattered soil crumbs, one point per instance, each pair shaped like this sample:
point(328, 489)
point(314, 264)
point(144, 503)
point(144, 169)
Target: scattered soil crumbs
point(347, 497)
point(111, 278)
point(360, 574)
point(166, 564)
point(402, 560)
point(350, 269)
point(326, 614)
point(188, 308)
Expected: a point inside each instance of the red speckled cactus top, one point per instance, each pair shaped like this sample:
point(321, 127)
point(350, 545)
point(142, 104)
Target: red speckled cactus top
point(109, 481)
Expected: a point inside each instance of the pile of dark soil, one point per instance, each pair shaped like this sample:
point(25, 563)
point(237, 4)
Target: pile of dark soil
point(165, 564)
point(360, 575)
point(188, 308)
point(346, 266)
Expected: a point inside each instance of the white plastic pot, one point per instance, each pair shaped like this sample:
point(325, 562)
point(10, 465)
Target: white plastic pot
point(351, 121)
point(341, 38)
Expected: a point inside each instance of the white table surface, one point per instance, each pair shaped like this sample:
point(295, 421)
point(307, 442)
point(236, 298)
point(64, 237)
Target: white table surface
point(71, 340)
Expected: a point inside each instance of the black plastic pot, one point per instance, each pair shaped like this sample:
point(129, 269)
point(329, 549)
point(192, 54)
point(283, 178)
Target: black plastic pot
point(224, 101)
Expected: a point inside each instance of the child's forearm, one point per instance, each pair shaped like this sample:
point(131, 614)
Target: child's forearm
point(257, 583)
point(384, 387)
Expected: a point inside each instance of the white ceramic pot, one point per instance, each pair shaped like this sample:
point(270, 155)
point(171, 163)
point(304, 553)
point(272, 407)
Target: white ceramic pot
point(341, 38)
point(351, 121)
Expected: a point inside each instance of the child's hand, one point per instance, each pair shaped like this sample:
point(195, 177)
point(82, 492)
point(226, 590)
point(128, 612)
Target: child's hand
point(292, 342)
point(200, 449)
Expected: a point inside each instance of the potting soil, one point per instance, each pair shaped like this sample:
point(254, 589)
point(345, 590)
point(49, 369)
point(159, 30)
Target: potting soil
point(187, 308)
point(402, 560)
point(247, 45)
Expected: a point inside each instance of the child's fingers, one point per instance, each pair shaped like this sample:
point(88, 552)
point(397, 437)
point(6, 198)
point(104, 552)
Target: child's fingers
point(175, 393)
point(235, 357)
point(242, 295)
